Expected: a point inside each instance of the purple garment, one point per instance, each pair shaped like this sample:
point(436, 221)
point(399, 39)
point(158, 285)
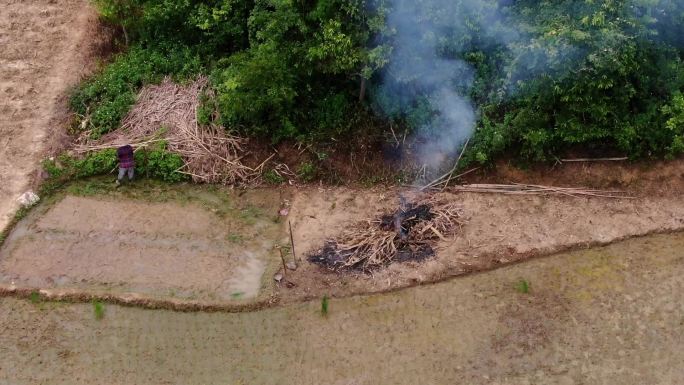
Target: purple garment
point(125, 155)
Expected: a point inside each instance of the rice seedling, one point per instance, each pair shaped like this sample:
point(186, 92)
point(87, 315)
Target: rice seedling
point(324, 306)
point(523, 286)
point(98, 310)
point(34, 297)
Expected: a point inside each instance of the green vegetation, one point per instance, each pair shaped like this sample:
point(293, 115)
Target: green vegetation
point(546, 77)
point(155, 163)
point(98, 309)
point(307, 171)
point(324, 305)
point(105, 99)
point(235, 238)
point(523, 286)
point(35, 298)
point(272, 177)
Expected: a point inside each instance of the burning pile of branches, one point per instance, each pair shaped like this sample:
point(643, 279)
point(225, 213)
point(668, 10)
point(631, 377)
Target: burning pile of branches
point(408, 234)
point(168, 112)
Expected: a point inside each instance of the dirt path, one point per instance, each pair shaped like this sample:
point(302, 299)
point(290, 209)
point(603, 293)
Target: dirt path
point(501, 229)
point(44, 52)
point(612, 315)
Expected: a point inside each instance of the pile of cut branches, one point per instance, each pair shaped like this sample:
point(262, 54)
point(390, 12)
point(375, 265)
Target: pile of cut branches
point(408, 234)
point(168, 112)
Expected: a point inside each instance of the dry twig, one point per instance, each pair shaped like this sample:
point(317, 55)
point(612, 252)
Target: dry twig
point(368, 245)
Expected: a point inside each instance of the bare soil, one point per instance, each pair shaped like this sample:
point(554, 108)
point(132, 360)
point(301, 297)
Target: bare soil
point(605, 316)
point(501, 229)
point(179, 251)
point(46, 49)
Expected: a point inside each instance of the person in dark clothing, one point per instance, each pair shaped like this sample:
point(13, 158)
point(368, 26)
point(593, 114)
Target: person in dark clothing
point(126, 163)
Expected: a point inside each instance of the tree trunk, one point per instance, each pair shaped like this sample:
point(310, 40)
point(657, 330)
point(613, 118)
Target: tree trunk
point(123, 28)
point(362, 90)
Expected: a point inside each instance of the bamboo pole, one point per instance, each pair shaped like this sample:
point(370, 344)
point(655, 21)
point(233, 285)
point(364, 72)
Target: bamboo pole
point(294, 256)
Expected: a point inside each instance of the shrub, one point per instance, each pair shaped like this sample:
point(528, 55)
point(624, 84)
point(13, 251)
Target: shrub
point(307, 171)
point(547, 77)
point(273, 177)
point(155, 163)
point(160, 164)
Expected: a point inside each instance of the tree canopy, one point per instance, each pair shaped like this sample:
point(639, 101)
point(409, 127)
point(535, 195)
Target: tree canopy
point(542, 77)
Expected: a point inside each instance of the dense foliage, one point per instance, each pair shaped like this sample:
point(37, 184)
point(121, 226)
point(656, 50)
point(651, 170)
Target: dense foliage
point(545, 77)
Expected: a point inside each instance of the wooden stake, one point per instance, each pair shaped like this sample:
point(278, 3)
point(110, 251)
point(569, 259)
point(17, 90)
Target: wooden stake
point(294, 256)
point(282, 258)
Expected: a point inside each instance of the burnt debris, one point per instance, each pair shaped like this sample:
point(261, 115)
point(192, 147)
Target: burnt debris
point(407, 234)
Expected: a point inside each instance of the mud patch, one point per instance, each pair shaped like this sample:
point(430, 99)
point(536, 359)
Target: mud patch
point(169, 250)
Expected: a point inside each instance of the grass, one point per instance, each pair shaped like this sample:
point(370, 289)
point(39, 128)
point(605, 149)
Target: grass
point(235, 238)
point(249, 213)
point(369, 181)
point(98, 309)
point(523, 286)
point(91, 187)
point(35, 298)
point(324, 305)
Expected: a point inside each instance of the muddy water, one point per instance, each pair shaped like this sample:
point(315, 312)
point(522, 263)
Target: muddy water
point(603, 316)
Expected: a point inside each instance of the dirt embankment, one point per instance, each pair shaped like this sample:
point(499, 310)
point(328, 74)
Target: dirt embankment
point(46, 49)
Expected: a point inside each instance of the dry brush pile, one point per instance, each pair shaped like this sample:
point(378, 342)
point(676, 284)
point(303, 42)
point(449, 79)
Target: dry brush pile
point(408, 234)
point(168, 112)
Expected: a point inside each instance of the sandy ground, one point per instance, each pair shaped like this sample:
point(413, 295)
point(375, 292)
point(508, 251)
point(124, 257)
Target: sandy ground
point(607, 316)
point(163, 250)
point(500, 230)
point(44, 52)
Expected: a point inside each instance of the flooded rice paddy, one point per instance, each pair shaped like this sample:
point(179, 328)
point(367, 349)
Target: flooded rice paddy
point(603, 316)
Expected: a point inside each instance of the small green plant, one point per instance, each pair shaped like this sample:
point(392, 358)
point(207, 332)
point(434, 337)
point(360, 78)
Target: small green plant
point(272, 177)
point(98, 309)
point(369, 181)
point(249, 214)
point(235, 238)
point(35, 298)
point(324, 305)
point(523, 286)
point(307, 172)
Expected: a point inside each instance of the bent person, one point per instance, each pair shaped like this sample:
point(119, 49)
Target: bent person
point(126, 163)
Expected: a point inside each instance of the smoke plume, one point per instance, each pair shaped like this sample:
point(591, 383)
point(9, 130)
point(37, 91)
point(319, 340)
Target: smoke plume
point(427, 79)
point(426, 76)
